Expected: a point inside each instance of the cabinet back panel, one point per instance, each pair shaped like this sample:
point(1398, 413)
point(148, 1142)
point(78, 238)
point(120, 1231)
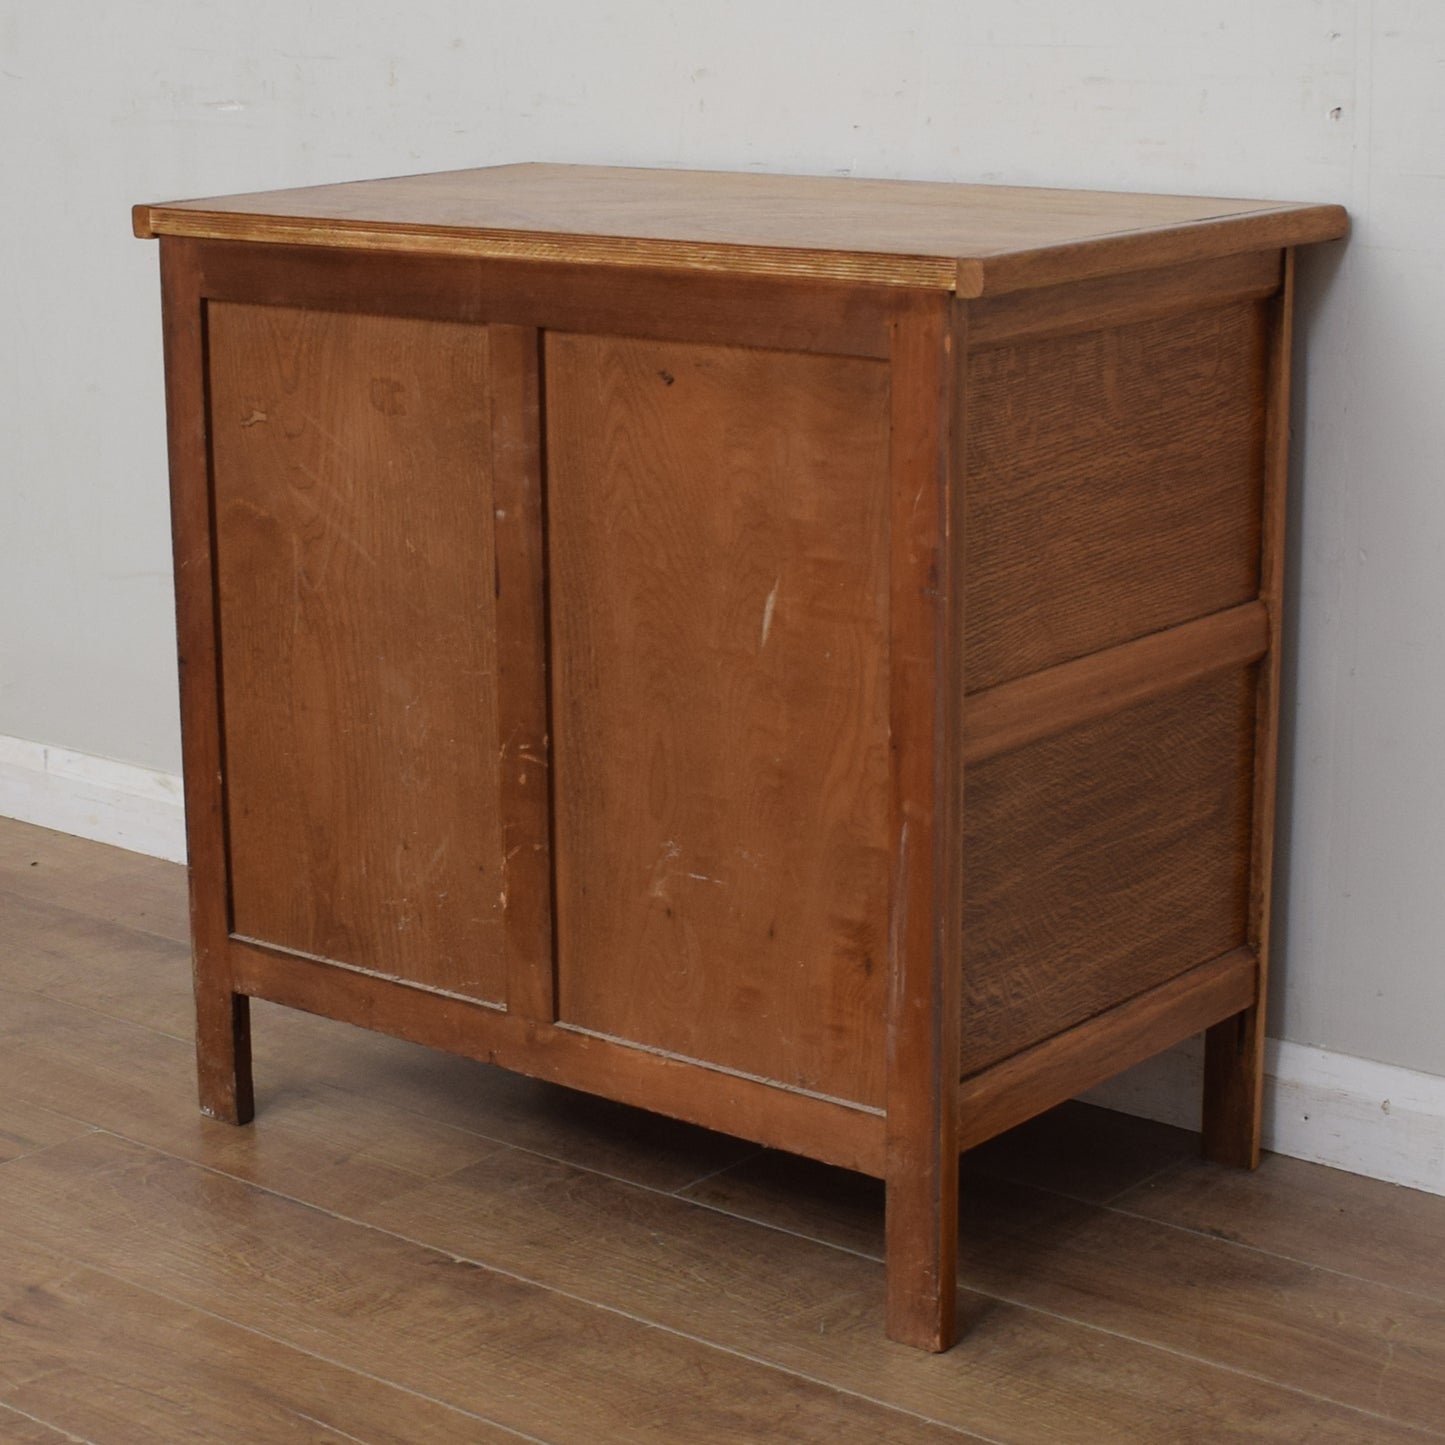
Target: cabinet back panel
point(1114, 486)
point(1103, 861)
point(353, 556)
point(718, 545)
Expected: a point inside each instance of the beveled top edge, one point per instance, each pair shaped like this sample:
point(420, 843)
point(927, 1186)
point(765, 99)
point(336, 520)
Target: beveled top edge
point(936, 235)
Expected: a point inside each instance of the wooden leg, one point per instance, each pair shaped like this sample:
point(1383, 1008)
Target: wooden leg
point(223, 1054)
point(922, 1254)
point(1234, 1089)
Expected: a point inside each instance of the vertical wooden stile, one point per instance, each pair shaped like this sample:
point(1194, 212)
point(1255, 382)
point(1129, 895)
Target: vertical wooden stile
point(926, 890)
point(525, 762)
point(223, 1039)
point(1234, 1049)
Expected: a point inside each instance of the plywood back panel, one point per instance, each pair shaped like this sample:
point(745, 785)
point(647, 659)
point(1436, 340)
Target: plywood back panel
point(353, 556)
point(1114, 486)
point(1103, 861)
point(718, 544)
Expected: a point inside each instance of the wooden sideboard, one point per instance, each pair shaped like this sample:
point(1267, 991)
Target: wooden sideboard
point(799, 655)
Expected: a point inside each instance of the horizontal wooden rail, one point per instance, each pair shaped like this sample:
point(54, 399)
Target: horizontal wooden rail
point(1036, 1079)
point(1112, 301)
point(1013, 714)
point(832, 1130)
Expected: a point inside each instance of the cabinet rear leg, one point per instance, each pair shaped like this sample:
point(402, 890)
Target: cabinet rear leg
point(1234, 1089)
point(223, 1054)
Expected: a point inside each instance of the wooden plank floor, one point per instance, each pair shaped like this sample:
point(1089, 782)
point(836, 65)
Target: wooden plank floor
point(410, 1248)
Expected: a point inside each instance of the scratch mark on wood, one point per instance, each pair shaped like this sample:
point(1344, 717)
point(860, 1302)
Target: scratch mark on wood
point(768, 615)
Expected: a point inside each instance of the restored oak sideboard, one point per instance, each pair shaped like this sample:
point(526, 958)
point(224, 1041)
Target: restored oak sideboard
point(800, 655)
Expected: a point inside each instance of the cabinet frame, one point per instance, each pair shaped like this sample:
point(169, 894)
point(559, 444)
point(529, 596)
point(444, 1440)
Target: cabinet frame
point(936, 730)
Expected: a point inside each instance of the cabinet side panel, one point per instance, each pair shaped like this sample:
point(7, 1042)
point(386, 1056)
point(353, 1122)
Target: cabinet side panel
point(1114, 485)
point(718, 537)
point(1103, 861)
point(355, 571)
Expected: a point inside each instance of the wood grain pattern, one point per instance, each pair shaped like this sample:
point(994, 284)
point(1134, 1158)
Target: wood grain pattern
point(1103, 861)
point(1037, 1078)
point(1362, 1360)
point(718, 534)
point(1134, 1333)
point(1108, 302)
point(515, 1353)
point(782, 313)
point(111, 885)
point(751, 1108)
point(358, 640)
point(1126, 467)
point(1234, 1050)
point(1306, 1212)
point(908, 233)
point(105, 1360)
point(521, 642)
point(223, 1040)
point(1014, 714)
point(19, 1429)
point(925, 885)
point(776, 1293)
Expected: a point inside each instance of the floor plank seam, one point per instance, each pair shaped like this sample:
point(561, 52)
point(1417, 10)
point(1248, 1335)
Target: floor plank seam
point(1161, 1173)
point(681, 1191)
point(86, 1008)
point(770, 1365)
point(1133, 1339)
point(47, 1425)
point(861, 1254)
point(94, 917)
point(292, 1345)
point(1424, 1296)
point(58, 1143)
point(1424, 1430)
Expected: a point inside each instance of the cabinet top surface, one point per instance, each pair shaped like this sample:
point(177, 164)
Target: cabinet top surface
point(967, 238)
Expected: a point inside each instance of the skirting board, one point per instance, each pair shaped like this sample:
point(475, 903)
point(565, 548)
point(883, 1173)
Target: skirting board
point(89, 797)
point(1352, 1114)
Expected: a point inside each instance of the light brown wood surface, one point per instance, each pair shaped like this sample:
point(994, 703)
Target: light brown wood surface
point(970, 238)
point(718, 537)
point(597, 639)
point(358, 640)
point(152, 1276)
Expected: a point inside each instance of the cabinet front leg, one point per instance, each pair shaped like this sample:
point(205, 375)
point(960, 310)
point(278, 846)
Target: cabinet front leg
point(922, 1249)
point(223, 1053)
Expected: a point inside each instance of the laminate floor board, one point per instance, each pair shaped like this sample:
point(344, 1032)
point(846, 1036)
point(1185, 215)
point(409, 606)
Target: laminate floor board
point(1022, 1374)
point(136, 977)
point(489, 1343)
point(75, 957)
point(18, 1429)
point(109, 883)
point(574, 1269)
point(105, 1360)
point(25, 1127)
point(116, 1076)
point(1309, 1213)
point(1367, 1346)
point(810, 1308)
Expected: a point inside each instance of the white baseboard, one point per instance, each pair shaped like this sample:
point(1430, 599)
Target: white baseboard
point(90, 797)
point(1352, 1114)
point(1349, 1113)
